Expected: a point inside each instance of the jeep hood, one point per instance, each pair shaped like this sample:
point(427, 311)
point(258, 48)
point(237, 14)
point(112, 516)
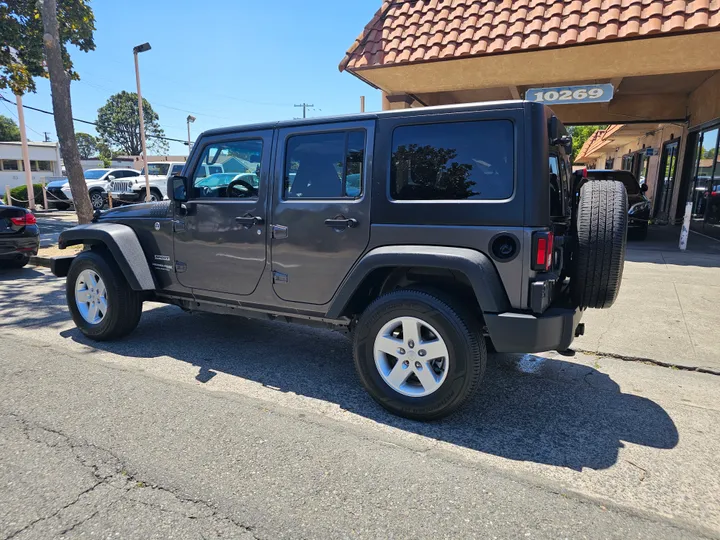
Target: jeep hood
point(157, 210)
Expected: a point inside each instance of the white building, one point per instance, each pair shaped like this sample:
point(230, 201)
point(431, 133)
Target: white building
point(44, 163)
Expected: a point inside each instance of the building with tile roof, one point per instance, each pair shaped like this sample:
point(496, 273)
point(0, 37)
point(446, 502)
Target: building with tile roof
point(658, 56)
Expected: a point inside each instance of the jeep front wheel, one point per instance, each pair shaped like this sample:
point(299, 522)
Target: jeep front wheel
point(101, 302)
point(419, 355)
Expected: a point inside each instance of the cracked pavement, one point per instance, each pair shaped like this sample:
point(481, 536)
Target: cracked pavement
point(206, 427)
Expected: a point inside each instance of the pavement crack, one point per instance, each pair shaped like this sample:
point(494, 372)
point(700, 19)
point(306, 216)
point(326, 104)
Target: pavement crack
point(644, 471)
point(687, 328)
point(108, 469)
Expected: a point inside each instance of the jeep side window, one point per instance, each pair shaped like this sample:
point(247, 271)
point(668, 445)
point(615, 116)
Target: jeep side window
point(176, 169)
point(222, 170)
point(324, 165)
point(453, 160)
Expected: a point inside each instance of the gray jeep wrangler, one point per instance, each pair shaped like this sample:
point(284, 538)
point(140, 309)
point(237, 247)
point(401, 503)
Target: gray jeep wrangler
point(429, 234)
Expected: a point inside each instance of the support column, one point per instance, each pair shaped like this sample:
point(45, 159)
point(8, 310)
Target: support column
point(25, 154)
point(396, 101)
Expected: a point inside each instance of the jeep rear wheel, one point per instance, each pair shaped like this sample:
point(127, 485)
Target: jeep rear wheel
point(599, 256)
point(418, 354)
point(101, 302)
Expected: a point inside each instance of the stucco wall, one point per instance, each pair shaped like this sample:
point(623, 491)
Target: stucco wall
point(704, 103)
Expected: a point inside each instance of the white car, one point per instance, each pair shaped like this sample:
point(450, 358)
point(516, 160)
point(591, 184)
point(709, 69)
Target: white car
point(97, 180)
point(132, 190)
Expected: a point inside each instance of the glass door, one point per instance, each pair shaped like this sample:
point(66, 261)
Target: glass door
point(705, 187)
point(668, 170)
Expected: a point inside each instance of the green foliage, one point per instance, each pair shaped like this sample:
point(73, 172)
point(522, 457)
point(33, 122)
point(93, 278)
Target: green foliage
point(19, 194)
point(9, 131)
point(87, 145)
point(118, 124)
point(580, 134)
point(21, 51)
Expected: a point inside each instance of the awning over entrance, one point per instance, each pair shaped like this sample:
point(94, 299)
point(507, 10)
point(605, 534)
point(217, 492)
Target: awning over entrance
point(655, 53)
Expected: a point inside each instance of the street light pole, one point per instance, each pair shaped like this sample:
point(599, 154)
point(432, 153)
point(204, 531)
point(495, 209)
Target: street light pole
point(190, 120)
point(136, 50)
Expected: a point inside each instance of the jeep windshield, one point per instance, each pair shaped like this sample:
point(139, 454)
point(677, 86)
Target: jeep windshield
point(94, 174)
point(157, 169)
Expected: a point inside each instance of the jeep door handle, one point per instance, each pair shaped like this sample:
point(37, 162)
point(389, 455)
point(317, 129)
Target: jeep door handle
point(341, 223)
point(249, 221)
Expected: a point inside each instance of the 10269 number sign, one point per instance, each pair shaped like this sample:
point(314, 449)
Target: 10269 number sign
point(562, 95)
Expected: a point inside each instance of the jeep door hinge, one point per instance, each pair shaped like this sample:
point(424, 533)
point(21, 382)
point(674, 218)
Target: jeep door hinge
point(279, 277)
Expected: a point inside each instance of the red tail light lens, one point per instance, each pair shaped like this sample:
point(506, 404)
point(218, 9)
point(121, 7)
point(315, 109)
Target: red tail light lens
point(27, 219)
point(543, 251)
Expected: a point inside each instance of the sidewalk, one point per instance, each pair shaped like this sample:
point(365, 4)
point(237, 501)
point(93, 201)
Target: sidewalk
point(667, 310)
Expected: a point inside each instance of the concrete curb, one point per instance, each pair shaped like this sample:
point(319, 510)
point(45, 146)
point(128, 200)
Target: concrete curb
point(37, 260)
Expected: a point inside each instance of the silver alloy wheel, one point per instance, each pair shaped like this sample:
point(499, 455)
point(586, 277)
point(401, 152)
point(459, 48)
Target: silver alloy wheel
point(91, 296)
point(96, 200)
point(154, 197)
point(411, 356)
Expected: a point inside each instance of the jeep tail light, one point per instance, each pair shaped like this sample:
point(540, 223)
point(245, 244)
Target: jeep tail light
point(27, 219)
point(542, 251)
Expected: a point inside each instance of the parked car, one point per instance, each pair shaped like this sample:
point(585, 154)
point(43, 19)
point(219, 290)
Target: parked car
point(19, 236)
point(639, 211)
point(452, 232)
point(132, 190)
point(97, 180)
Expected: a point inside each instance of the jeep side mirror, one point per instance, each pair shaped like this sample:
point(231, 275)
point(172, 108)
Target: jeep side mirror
point(177, 188)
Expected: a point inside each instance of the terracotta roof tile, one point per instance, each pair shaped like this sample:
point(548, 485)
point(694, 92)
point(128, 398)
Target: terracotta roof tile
point(403, 31)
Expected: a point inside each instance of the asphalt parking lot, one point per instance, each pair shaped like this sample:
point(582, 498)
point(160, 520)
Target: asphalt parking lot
point(202, 426)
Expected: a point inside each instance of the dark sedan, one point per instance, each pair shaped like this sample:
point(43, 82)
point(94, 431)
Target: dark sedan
point(638, 203)
point(19, 236)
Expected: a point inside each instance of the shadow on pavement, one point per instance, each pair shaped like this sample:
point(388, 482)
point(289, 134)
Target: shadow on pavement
point(550, 411)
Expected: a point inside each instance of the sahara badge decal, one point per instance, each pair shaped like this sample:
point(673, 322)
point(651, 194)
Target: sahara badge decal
point(162, 262)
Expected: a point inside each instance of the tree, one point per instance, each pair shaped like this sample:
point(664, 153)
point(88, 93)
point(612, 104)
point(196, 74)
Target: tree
point(87, 145)
point(55, 55)
point(580, 134)
point(9, 131)
point(118, 123)
point(35, 36)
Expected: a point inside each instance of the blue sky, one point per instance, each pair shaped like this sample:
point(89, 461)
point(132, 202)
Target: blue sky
point(227, 62)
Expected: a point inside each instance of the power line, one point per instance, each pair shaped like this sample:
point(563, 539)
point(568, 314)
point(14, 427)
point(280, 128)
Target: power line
point(305, 107)
point(16, 116)
point(86, 122)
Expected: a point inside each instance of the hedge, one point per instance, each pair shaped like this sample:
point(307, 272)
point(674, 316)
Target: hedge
point(19, 194)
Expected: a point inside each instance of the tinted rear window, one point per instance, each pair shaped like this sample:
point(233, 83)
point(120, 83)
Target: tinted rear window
point(451, 161)
point(633, 188)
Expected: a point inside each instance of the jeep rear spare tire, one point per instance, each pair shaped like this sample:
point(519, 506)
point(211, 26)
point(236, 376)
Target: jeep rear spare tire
point(599, 255)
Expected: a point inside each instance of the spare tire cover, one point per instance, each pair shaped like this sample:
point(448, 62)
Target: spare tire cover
point(599, 254)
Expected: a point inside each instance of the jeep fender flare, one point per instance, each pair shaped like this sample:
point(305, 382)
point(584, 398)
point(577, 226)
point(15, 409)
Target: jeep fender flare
point(477, 267)
point(122, 243)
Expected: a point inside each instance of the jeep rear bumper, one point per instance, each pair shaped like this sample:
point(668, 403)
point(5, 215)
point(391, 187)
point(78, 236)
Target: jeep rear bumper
point(554, 330)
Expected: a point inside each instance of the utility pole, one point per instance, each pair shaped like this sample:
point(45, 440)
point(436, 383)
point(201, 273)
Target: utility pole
point(362, 104)
point(47, 136)
point(305, 108)
point(25, 154)
point(137, 50)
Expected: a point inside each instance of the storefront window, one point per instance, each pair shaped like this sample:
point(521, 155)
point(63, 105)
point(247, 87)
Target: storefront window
point(705, 188)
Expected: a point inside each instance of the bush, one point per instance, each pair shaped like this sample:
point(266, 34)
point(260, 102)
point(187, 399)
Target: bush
point(20, 194)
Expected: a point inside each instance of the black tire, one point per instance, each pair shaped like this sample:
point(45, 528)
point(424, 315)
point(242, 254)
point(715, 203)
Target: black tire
point(155, 193)
point(124, 304)
point(16, 263)
point(458, 328)
point(96, 200)
point(599, 255)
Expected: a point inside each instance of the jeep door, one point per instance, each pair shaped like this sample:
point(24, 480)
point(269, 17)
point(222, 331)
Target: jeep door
point(321, 208)
point(220, 242)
